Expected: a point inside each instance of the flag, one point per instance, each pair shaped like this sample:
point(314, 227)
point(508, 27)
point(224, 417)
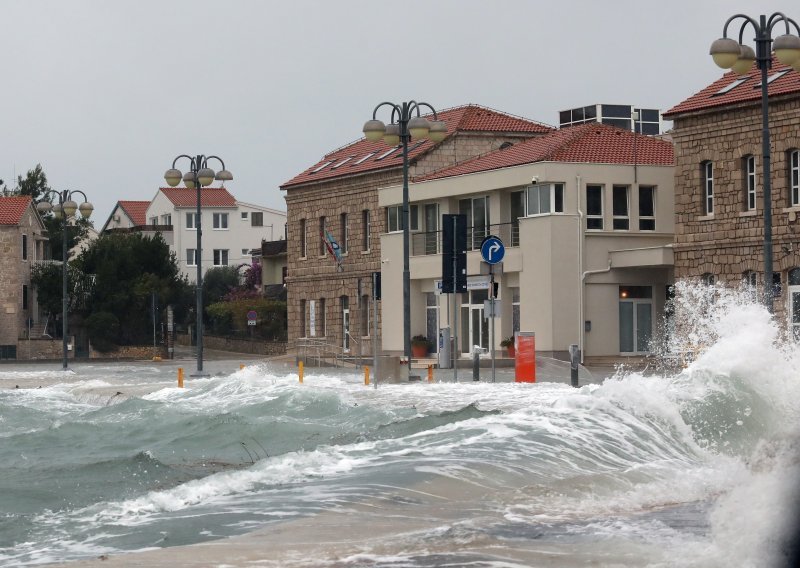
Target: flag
point(333, 248)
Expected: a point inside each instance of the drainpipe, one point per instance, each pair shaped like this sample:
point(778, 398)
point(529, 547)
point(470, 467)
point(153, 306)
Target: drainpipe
point(583, 280)
point(580, 266)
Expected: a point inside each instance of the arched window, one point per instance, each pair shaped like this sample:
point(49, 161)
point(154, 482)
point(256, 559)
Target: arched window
point(750, 283)
point(708, 279)
point(794, 277)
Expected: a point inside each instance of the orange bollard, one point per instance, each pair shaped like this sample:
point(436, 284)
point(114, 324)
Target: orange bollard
point(366, 375)
point(180, 377)
point(300, 369)
point(241, 366)
point(430, 373)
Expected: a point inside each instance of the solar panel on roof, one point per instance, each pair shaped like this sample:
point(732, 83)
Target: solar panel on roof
point(772, 77)
point(364, 158)
point(318, 168)
point(382, 156)
point(343, 162)
point(730, 87)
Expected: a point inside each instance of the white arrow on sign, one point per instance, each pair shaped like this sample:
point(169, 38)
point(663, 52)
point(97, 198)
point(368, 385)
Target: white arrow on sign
point(493, 248)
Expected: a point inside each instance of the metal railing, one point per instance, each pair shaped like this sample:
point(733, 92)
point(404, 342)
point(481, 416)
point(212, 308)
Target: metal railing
point(428, 243)
point(320, 352)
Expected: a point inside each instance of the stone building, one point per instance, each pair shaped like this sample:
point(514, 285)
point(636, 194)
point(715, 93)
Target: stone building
point(331, 301)
point(22, 243)
point(719, 216)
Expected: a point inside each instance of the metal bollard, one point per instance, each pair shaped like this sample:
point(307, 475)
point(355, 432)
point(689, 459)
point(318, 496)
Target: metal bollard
point(476, 359)
point(300, 371)
point(574, 359)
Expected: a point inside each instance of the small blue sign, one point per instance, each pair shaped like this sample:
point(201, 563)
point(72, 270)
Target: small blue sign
point(492, 249)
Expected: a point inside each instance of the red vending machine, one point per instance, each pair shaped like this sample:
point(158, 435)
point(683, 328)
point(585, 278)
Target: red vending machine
point(525, 359)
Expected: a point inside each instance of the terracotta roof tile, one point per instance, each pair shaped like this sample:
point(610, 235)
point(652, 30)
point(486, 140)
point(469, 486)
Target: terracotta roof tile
point(747, 91)
point(12, 208)
point(587, 143)
point(349, 159)
point(135, 210)
point(209, 197)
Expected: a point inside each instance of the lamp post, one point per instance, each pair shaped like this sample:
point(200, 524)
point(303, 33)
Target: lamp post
point(199, 175)
point(65, 209)
point(730, 54)
point(405, 123)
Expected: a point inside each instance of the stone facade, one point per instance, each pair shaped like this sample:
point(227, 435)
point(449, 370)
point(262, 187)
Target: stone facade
point(315, 277)
point(730, 242)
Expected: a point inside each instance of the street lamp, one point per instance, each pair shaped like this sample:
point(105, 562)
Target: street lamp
point(730, 54)
point(65, 209)
point(406, 123)
point(199, 175)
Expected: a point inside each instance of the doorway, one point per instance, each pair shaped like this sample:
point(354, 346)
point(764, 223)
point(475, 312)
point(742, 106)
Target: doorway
point(635, 319)
point(345, 324)
point(474, 327)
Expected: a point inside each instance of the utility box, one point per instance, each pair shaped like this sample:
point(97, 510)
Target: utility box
point(525, 358)
point(445, 351)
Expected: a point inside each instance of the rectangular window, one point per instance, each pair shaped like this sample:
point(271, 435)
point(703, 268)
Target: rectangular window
point(191, 220)
point(749, 171)
point(365, 327)
point(166, 220)
point(24, 297)
point(24, 247)
point(244, 215)
point(413, 213)
point(302, 238)
point(220, 221)
point(477, 212)
point(343, 233)
point(220, 257)
point(191, 257)
point(619, 208)
point(365, 228)
point(394, 218)
point(153, 221)
point(322, 239)
point(302, 318)
point(594, 207)
point(545, 198)
point(794, 178)
point(707, 173)
point(245, 252)
point(647, 208)
point(257, 219)
point(321, 318)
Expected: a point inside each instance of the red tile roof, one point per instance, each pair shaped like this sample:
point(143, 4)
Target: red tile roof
point(135, 210)
point(209, 197)
point(587, 143)
point(12, 208)
point(748, 91)
point(347, 160)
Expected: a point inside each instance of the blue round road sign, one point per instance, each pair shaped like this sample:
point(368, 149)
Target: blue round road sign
point(252, 315)
point(492, 249)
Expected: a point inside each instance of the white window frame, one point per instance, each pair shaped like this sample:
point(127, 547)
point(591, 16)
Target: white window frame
point(244, 215)
point(191, 257)
point(794, 178)
point(534, 194)
point(191, 221)
point(219, 222)
point(750, 182)
point(154, 221)
point(303, 241)
point(166, 219)
point(708, 187)
point(595, 216)
point(652, 217)
point(221, 257)
point(394, 213)
point(24, 247)
point(366, 225)
point(343, 229)
point(257, 219)
point(621, 221)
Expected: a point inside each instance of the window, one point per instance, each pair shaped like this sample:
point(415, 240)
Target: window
point(794, 178)
point(220, 221)
point(365, 228)
point(545, 198)
point(343, 233)
point(166, 219)
point(594, 207)
point(302, 318)
point(24, 247)
point(244, 215)
point(321, 166)
point(191, 221)
point(750, 282)
point(257, 219)
point(794, 302)
point(191, 257)
point(322, 236)
point(708, 279)
point(777, 286)
point(477, 212)
point(647, 208)
point(394, 218)
point(413, 213)
point(302, 238)
point(517, 206)
point(220, 257)
point(343, 162)
point(749, 171)
point(284, 274)
point(365, 316)
point(619, 208)
point(363, 158)
point(153, 221)
point(707, 175)
point(515, 314)
point(24, 297)
point(321, 318)
point(245, 252)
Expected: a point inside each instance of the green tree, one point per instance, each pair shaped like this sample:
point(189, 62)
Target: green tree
point(219, 281)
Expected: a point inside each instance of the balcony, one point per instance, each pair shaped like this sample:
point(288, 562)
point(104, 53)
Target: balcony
point(423, 244)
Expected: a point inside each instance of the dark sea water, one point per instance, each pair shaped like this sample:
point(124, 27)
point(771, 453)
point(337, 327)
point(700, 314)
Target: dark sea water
point(697, 467)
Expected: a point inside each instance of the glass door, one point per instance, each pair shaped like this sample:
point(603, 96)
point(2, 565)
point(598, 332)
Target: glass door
point(635, 319)
point(794, 303)
point(474, 327)
point(345, 324)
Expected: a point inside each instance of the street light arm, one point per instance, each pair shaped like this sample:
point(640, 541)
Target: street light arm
point(395, 108)
point(421, 104)
point(779, 17)
point(175, 161)
point(205, 161)
point(71, 192)
point(748, 19)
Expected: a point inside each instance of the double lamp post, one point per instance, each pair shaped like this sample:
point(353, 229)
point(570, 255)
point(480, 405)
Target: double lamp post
point(64, 209)
point(730, 54)
point(405, 123)
point(199, 175)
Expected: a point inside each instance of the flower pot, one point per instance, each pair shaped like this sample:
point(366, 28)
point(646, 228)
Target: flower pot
point(419, 351)
point(511, 351)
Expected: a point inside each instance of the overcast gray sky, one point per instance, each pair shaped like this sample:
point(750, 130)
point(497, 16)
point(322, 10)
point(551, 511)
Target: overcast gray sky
point(104, 94)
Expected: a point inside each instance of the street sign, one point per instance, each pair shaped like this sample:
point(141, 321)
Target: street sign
point(473, 283)
point(492, 249)
point(251, 322)
point(252, 315)
point(491, 309)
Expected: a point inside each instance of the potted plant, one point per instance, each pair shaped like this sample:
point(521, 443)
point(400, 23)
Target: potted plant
point(508, 343)
point(420, 346)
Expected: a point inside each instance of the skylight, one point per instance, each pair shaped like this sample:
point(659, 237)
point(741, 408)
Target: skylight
point(382, 156)
point(772, 77)
point(364, 158)
point(323, 165)
point(730, 87)
point(343, 162)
